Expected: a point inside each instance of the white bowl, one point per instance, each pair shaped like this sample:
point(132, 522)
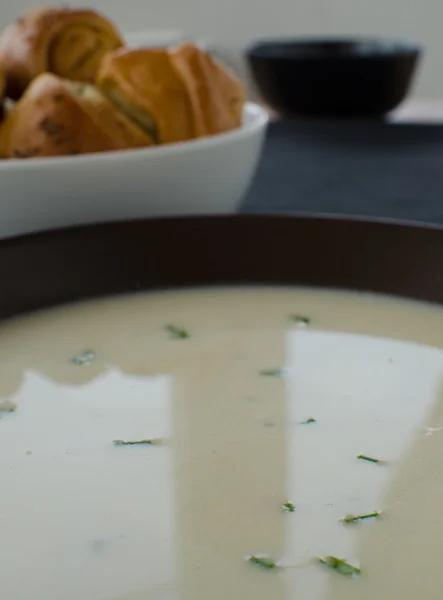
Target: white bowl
point(207, 176)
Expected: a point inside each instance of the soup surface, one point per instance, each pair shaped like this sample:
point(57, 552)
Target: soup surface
point(223, 444)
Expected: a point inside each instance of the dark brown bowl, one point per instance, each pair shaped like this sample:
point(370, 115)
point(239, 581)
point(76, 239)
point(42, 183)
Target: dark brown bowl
point(350, 77)
point(42, 270)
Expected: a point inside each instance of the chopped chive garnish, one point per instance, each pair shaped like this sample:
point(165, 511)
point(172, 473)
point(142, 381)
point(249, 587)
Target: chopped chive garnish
point(340, 565)
point(272, 373)
point(149, 442)
point(308, 421)
point(369, 458)
point(177, 333)
point(288, 507)
point(356, 518)
point(7, 406)
point(299, 320)
point(84, 359)
point(264, 562)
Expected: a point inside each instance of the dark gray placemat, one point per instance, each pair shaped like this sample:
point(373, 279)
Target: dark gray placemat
point(355, 168)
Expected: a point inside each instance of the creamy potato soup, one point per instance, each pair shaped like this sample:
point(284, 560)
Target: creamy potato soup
point(223, 444)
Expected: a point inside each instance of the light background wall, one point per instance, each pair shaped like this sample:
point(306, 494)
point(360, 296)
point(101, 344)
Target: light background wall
point(232, 23)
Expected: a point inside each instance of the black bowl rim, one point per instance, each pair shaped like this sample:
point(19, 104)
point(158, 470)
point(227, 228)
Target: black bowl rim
point(63, 266)
point(385, 47)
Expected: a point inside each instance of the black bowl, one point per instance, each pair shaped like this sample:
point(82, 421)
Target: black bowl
point(333, 78)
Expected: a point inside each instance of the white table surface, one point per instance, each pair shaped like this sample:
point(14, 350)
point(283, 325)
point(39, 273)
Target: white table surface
point(420, 110)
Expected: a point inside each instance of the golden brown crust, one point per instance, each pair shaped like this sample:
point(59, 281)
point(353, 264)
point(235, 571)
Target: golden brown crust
point(216, 94)
point(68, 42)
point(144, 82)
point(56, 117)
point(184, 92)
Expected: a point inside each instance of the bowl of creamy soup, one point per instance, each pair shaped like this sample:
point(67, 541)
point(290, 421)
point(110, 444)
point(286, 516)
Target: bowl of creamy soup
point(242, 407)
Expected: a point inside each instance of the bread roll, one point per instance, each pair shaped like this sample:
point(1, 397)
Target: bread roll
point(68, 42)
point(177, 94)
point(216, 94)
point(57, 117)
point(144, 84)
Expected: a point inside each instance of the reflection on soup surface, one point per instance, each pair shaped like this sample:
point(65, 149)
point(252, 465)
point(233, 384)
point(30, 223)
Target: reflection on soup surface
point(223, 444)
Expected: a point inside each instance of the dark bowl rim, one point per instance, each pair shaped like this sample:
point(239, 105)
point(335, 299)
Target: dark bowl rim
point(60, 232)
point(64, 266)
point(388, 47)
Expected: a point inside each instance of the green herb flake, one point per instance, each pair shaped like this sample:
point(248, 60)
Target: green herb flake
point(262, 561)
point(272, 373)
point(85, 359)
point(288, 507)
point(369, 459)
point(356, 518)
point(308, 421)
point(340, 565)
point(147, 442)
point(7, 406)
point(177, 333)
point(300, 320)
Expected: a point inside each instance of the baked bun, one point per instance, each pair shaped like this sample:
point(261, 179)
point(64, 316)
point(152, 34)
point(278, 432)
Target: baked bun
point(217, 95)
point(57, 117)
point(67, 42)
point(175, 94)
